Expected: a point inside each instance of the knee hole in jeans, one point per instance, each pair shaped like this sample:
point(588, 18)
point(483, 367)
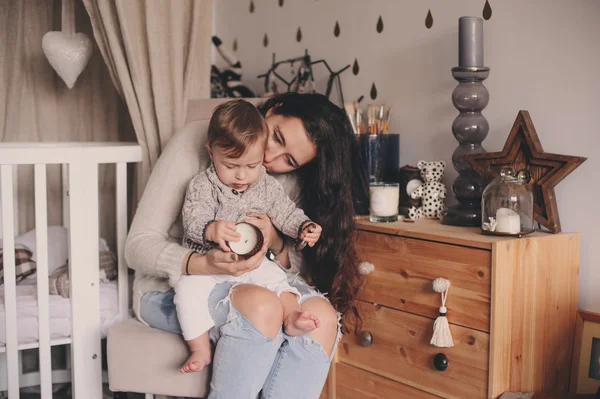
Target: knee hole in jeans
point(260, 307)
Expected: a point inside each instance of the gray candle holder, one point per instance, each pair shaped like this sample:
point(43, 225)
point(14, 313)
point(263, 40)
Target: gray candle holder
point(470, 128)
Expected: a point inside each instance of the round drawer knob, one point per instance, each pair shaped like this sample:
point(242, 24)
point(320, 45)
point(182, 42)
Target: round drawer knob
point(365, 268)
point(366, 339)
point(440, 361)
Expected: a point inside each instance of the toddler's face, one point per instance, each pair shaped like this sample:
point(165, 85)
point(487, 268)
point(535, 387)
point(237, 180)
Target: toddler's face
point(239, 173)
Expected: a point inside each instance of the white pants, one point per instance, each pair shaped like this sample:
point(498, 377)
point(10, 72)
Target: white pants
point(192, 292)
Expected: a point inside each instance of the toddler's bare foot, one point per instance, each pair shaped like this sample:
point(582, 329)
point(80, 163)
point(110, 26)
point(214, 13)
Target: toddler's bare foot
point(298, 323)
point(201, 354)
point(196, 362)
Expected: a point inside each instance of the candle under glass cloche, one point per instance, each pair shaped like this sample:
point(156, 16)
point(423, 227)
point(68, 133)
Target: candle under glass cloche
point(507, 204)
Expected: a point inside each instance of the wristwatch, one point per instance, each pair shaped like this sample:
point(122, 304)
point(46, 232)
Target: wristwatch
point(270, 255)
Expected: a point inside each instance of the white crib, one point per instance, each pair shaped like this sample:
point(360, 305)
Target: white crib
point(80, 163)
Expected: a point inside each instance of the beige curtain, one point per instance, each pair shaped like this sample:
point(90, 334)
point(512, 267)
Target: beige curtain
point(158, 56)
point(36, 105)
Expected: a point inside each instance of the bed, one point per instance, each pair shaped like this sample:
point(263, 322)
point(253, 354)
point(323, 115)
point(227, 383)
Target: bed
point(59, 310)
point(31, 318)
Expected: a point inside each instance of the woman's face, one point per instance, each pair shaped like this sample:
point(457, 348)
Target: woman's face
point(288, 147)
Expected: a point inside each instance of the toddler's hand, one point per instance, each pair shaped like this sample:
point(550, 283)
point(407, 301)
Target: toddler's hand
point(311, 233)
point(220, 232)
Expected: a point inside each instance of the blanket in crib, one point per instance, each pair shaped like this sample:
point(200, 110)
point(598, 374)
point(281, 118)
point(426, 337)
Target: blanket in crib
point(59, 280)
point(23, 263)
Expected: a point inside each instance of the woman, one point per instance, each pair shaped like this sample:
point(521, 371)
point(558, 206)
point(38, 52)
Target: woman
point(313, 151)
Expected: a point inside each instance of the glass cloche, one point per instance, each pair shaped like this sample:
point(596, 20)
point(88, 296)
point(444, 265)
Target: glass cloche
point(507, 204)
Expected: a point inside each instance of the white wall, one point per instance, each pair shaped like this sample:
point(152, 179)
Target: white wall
point(543, 56)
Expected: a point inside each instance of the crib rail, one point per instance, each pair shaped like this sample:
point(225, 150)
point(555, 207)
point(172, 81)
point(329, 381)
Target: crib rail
point(61, 153)
point(80, 168)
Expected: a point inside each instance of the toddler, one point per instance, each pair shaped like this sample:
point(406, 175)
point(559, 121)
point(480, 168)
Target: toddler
point(235, 184)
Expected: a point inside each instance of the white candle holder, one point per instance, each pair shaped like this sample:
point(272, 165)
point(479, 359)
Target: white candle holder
point(383, 202)
point(507, 204)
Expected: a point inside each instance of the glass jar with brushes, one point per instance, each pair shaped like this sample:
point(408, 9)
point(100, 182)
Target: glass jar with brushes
point(379, 149)
point(507, 204)
point(376, 122)
point(378, 118)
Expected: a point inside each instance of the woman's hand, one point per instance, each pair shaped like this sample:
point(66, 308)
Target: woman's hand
point(219, 262)
point(263, 222)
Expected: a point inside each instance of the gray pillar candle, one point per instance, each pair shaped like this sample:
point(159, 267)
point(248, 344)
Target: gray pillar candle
point(470, 42)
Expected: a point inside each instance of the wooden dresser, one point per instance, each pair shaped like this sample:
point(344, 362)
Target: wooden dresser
point(512, 307)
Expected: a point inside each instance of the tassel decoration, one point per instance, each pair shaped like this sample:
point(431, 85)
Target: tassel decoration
point(442, 337)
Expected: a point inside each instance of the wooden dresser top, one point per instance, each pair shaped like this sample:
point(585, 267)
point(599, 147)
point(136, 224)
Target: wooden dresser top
point(434, 230)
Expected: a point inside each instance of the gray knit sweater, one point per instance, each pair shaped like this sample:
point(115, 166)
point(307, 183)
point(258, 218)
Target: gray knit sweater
point(153, 246)
point(208, 199)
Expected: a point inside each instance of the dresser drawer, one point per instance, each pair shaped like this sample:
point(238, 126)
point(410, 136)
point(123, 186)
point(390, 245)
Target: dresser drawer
point(405, 269)
point(354, 383)
point(400, 350)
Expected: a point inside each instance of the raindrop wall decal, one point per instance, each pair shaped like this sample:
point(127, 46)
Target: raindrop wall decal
point(299, 35)
point(235, 44)
point(355, 67)
point(487, 10)
point(251, 6)
point(280, 3)
point(336, 30)
point(265, 40)
point(373, 92)
point(429, 20)
point(379, 25)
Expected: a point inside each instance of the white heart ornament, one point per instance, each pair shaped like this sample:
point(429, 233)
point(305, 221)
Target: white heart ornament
point(68, 54)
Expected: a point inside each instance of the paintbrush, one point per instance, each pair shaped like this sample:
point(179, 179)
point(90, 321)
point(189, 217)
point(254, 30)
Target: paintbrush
point(387, 118)
point(358, 118)
point(350, 111)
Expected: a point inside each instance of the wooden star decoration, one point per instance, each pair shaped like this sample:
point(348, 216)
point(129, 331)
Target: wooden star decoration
point(523, 150)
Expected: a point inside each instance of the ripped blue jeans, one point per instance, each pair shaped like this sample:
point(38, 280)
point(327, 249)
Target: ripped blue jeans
point(246, 363)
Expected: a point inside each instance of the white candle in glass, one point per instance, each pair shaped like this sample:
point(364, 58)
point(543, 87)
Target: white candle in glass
point(384, 199)
point(508, 221)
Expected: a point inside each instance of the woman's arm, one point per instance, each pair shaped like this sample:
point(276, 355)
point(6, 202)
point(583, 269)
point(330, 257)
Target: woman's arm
point(216, 261)
point(283, 257)
point(149, 248)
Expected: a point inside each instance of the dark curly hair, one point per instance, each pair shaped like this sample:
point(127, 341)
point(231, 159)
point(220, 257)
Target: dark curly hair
point(329, 183)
